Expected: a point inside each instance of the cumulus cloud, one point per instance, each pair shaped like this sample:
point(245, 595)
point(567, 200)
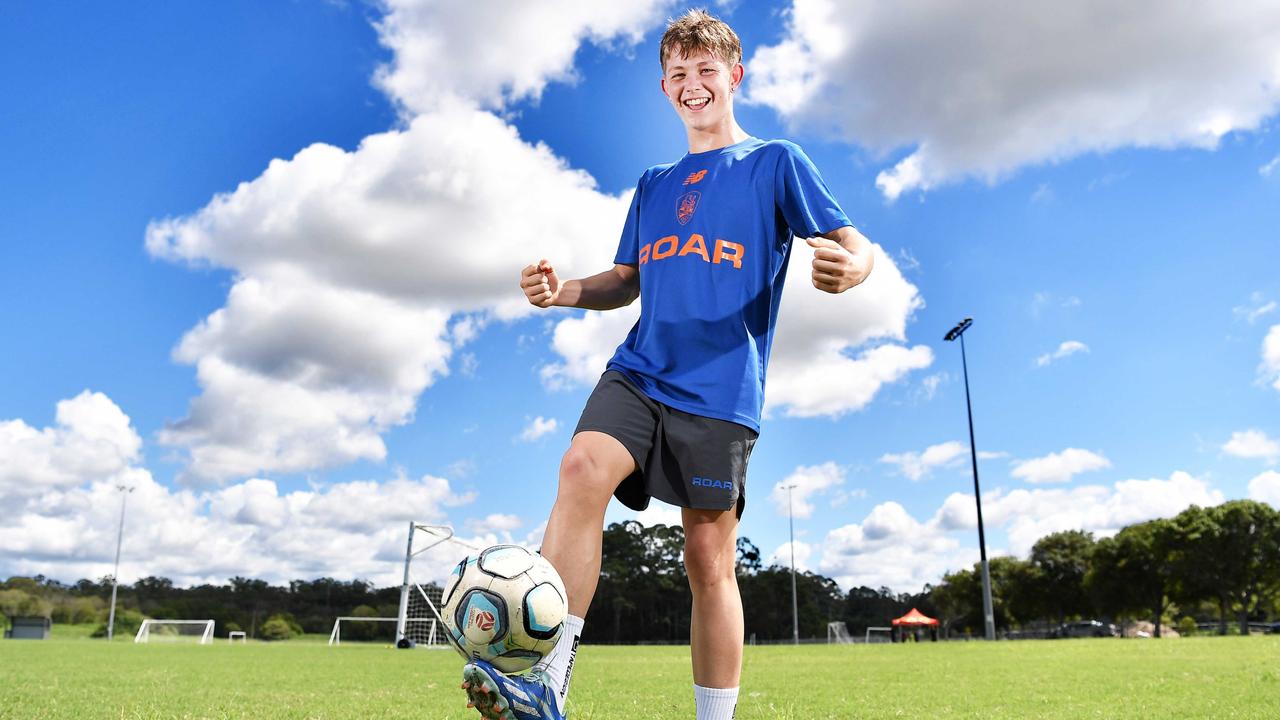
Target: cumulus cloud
point(806, 482)
point(781, 557)
point(1059, 467)
point(1266, 488)
point(585, 343)
point(892, 548)
point(1066, 349)
point(495, 523)
point(526, 46)
point(979, 89)
point(538, 427)
point(91, 439)
point(1252, 444)
point(918, 465)
point(1270, 367)
point(62, 509)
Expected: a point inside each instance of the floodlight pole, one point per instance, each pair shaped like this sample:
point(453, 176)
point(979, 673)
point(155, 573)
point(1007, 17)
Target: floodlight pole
point(115, 574)
point(795, 613)
point(987, 613)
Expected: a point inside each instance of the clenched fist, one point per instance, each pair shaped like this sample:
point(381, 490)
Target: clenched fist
point(540, 284)
point(835, 268)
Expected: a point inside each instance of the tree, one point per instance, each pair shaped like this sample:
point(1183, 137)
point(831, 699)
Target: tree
point(1249, 560)
point(1062, 560)
point(1134, 571)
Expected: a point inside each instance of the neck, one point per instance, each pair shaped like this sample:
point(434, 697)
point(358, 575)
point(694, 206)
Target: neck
point(722, 135)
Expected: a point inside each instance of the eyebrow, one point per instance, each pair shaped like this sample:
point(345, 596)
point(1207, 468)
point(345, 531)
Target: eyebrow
point(681, 67)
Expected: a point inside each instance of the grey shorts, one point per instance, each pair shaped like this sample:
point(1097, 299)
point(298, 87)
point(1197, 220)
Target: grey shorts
point(683, 459)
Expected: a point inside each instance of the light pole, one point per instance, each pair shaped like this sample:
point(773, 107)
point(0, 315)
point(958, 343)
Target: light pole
point(987, 614)
point(115, 575)
point(795, 613)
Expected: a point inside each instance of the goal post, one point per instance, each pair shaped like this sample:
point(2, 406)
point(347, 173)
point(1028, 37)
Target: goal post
point(235, 635)
point(838, 633)
point(425, 632)
point(418, 623)
point(879, 634)
point(201, 631)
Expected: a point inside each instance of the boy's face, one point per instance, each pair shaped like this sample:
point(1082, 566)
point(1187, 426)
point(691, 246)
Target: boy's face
point(700, 88)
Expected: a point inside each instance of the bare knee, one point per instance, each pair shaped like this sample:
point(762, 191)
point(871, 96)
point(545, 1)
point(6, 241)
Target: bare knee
point(709, 563)
point(584, 478)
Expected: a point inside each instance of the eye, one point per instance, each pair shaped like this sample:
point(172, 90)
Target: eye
point(676, 76)
point(708, 70)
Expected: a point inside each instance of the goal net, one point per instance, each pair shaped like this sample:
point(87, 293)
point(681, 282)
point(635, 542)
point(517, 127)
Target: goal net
point(419, 623)
point(879, 634)
point(194, 631)
point(838, 632)
point(422, 632)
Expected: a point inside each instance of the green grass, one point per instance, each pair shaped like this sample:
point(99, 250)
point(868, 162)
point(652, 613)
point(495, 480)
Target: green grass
point(1185, 678)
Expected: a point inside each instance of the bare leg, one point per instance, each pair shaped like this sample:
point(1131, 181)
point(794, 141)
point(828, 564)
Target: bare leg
point(591, 470)
point(710, 556)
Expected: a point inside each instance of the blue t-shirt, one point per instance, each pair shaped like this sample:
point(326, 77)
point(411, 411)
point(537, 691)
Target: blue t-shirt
point(711, 235)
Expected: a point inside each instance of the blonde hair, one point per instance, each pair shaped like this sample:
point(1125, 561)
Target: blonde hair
point(699, 31)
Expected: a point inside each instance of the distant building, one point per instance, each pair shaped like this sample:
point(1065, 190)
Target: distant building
point(28, 628)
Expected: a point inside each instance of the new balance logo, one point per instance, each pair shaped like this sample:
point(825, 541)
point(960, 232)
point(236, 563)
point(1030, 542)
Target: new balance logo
point(695, 178)
point(709, 483)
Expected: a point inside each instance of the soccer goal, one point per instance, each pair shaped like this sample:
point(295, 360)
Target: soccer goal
point(838, 633)
point(879, 634)
point(422, 632)
point(236, 636)
point(419, 622)
point(198, 631)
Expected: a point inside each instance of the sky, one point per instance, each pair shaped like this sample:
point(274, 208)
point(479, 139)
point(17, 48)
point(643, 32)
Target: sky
point(259, 261)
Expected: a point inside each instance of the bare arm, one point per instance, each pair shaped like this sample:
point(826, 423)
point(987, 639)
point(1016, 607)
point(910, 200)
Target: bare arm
point(611, 289)
point(842, 259)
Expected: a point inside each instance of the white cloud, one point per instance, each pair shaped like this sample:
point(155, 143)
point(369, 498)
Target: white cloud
point(782, 556)
point(658, 513)
point(1059, 467)
point(1002, 86)
point(1256, 308)
point(538, 427)
point(1270, 167)
point(341, 312)
point(92, 439)
point(1270, 367)
point(810, 482)
point(65, 527)
point(1252, 444)
point(918, 465)
point(1066, 349)
point(525, 46)
point(891, 548)
point(1266, 488)
point(585, 344)
point(495, 523)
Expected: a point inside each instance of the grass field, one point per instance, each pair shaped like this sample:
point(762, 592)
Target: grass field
point(73, 677)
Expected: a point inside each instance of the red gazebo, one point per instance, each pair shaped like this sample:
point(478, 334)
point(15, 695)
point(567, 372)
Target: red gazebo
point(915, 620)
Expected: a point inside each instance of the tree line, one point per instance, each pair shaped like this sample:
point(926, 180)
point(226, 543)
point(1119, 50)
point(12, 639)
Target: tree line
point(1206, 564)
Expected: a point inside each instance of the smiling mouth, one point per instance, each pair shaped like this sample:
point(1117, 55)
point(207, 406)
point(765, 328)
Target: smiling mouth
point(697, 103)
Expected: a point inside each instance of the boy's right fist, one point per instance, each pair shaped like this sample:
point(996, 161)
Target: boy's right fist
point(540, 284)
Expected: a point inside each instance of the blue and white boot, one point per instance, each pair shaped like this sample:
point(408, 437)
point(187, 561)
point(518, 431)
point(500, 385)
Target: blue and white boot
point(508, 697)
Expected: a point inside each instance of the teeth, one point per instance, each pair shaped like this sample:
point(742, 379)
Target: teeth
point(697, 102)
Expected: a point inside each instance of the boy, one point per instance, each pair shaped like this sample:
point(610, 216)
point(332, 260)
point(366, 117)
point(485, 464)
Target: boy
point(677, 412)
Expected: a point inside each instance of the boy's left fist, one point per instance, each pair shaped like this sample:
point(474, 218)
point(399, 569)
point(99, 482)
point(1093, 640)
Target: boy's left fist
point(835, 269)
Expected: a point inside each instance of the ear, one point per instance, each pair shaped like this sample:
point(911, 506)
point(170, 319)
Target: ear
point(664, 85)
point(736, 74)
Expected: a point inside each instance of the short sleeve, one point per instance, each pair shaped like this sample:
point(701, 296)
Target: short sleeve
point(802, 197)
point(629, 244)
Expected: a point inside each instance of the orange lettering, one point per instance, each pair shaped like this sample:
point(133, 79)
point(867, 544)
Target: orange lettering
point(695, 246)
point(659, 253)
point(735, 257)
point(644, 254)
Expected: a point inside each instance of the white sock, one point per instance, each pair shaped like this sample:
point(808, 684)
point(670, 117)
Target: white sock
point(715, 703)
point(559, 664)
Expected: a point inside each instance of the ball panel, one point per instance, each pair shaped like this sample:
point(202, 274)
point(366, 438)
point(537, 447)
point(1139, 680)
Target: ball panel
point(506, 561)
point(516, 661)
point(543, 612)
point(482, 617)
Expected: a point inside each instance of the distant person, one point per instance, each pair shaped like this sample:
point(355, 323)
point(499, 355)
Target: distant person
point(677, 411)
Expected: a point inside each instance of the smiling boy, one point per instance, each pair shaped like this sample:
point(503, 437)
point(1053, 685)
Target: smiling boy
point(677, 411)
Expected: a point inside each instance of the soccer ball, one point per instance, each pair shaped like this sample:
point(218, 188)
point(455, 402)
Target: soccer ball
point(506, 606)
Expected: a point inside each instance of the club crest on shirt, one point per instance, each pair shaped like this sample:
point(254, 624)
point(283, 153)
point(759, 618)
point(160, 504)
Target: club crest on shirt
point(686, 206)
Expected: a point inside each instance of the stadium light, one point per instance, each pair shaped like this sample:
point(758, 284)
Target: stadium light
point(115, 575)
point(987, 614)
point(795, 614)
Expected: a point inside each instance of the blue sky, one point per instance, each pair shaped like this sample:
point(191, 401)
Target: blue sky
point(277, 246)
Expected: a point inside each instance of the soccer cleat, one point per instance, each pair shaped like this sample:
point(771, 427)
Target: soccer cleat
point(502, 697)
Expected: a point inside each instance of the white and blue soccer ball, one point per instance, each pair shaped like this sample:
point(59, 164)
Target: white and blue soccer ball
point(505, 605)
